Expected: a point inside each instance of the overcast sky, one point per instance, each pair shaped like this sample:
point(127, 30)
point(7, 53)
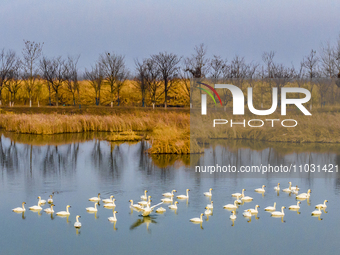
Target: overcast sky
point(139, 28)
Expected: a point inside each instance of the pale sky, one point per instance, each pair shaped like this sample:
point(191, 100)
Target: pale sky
point(137, 29)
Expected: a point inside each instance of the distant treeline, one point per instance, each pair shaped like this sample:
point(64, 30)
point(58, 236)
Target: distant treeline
point(163, 79)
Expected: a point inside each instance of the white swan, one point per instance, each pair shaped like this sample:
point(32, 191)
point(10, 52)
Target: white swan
point(77, 224)
point(233, 216)
point(36, 207)
point(145, 203)
point(20, 209)
point(295, 207)
point(184, 196)
point(231, 206)
point(208, 211)
point(197, 219)
point(167, 200)
point(322, 206)
point(289, 189)
point(64, 213)
point(208, 194)
point(49, 210)
point(317, 212)
point(246, 198)
point(238, 194)
point(95, 199)
point(247, 214)
point(304, 195)
point(296, 188)
point(160, 210)
point(92, 209)
point(42, 201)
point(144, 197)
point(136, 206)
point(271, 208)
point(110, 205)
point(50, 200)
point(211, 206)
point(147, 210)
point(277, 188)
point(278, 213)
point(261, 190)
point(108, 200)
point(174, 206)
point(168, 194)
point(113, 219)
point(253, 211)
point(238, 200)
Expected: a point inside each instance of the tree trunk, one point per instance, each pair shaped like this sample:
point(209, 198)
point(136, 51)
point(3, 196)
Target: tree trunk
point(30, 99)
point(166, 93)
point(56, 98)
point(111, 99)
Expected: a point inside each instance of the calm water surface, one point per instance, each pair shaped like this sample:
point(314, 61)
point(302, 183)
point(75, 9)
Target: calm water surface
point(78, 170)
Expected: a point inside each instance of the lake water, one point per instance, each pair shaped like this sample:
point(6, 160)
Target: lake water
point(78, 167)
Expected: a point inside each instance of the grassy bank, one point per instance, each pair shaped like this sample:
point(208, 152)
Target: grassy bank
point(168, 131)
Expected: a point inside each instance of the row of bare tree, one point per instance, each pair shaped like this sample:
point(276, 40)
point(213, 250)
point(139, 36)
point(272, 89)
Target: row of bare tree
point(155, 76)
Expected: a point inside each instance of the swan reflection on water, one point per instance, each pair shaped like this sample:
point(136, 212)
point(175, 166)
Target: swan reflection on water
point(144, 220)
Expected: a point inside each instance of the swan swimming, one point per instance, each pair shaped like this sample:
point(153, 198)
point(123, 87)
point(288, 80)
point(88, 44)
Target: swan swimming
point(77, 224)
point(238, 194)
point(50, 200)
point(108, 200)
point(247, 214)
point(64, 213)
point(167, 200)
point(231, 206)
point(233, 216)
point(208, 211)
point(304, 195)
point(110, 205)
point(277, 188)
point(160, 210)
point(92, 209)
point(261, 190)
point(20, 209)
point(208, 194)
point(113, 219)
point(271, 208)
point(95, 199)
point(174, 206)
point(317, 212)
point(136, 206)
point(278, 213)
point(289, 189)
point(295, 207)
point(184, 196)
point(246, 198)
point(36, 207)
point(49, 210)
point(253, 211)
point(197, 219)
point(211, 206)
point(144, 197)
point(145, 203)
point(42, 201)
point(168, 194)
point(322, 206)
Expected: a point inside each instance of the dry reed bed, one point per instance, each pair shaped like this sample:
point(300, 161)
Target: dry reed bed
point(169, 131)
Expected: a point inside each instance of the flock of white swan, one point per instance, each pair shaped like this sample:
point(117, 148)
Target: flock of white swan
point(145, 208)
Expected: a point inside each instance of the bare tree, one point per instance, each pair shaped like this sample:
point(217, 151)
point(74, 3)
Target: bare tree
point(7, 61)
point(114, 71)
point(153, 80)
point(168, 67)
point(310, 63)
point(140, 81)
point(71, 77)
point(95, 77)
point(218, 65)
point(31, 53)
point(197, 64)
point(327, 60)
point(337, 61)
point(14, 81)
point(47, 72)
